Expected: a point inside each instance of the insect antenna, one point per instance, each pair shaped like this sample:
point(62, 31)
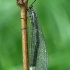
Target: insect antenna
point(32, 4)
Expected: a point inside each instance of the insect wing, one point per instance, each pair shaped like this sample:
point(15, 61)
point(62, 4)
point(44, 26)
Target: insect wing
point(38, 53)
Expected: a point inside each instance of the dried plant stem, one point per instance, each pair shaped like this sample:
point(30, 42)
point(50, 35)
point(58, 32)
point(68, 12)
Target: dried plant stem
point(23, 8)
point(24, 38)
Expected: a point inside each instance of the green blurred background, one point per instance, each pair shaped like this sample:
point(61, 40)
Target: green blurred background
point(54, 19)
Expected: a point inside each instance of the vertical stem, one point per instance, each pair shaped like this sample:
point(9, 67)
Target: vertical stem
point(23, 8)
point(24, 38)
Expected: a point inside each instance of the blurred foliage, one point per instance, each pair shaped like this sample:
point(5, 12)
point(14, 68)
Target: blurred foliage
point(54, 18)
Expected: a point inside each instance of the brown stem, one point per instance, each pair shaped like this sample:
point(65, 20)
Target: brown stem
point(23, 8)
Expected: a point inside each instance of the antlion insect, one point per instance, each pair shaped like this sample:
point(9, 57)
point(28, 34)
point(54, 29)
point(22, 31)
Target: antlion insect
point(38, 53)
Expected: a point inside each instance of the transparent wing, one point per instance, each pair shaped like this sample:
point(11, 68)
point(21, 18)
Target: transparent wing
point(38, 52)
point(32, 46)
point(42, 58)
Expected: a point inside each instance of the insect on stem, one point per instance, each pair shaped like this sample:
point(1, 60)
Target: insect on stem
point(38, 54)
